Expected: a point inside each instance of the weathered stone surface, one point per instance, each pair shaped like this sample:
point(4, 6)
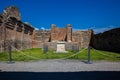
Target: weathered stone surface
point(68, 45)
point(51, 45)
point(109, 40)
point(12, 11)
point(1, 19)
point(58, 34)
point(83, 38)
point(13, 31)
point(69, 33)
point(43, 36)
point(61, 34)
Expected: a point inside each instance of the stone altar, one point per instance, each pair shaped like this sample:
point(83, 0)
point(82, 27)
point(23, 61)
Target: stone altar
point(61, 47)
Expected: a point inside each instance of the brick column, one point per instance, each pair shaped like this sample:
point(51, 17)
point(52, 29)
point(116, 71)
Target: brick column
point(69, 33)
point(33, 38)
point(22, 38)
point(14, 32)
point(53, 33)
point(28, 40)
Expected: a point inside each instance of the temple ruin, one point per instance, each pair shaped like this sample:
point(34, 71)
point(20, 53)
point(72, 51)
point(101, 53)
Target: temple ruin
point(22, 35)
point(49, 38)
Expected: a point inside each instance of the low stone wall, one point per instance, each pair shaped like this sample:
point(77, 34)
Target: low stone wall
point(72, 46)
point(68, 46)
point(51, 45)
point(16, 44)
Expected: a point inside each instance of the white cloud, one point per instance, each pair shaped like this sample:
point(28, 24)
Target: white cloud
point(36, 29)
point(103, 29)
point(79, 29)
point(98, 30)
point(42, 28)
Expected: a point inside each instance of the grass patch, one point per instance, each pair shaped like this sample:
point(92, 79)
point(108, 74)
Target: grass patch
point(37, 54)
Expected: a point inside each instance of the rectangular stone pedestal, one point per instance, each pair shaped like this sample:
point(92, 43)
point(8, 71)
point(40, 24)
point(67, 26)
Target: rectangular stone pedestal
point(61, 47)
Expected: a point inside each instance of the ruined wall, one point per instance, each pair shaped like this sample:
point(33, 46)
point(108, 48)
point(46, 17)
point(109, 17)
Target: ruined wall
point(109, 40)
point(61, 34)
point(18, 39)
point(58, 34)
point(83, 38)
point(41, 36)
point(13, 31)
point(12, 11)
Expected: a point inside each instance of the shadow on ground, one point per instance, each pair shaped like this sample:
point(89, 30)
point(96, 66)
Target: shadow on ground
point(92, 75)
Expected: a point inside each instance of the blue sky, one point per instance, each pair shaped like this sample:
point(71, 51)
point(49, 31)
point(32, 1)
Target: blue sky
point(99, 15)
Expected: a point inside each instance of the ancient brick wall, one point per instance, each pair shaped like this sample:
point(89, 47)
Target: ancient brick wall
point(83, 38)
point(40, 37)
point(61, 34)
point(13, 11)
point(58, 34)
point(19, 40)
point(13, 31)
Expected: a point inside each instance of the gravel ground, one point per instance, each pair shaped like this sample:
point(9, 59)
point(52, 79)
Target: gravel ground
point(60, 66)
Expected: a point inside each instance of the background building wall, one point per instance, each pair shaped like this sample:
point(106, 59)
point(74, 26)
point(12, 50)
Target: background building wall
point(83, 38)
point(108, 41)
